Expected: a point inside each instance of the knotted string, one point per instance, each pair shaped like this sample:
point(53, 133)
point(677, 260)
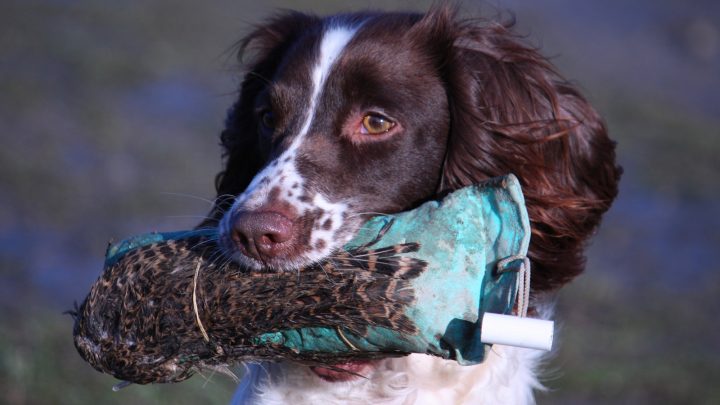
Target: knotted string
point(523, 287)
point(523, 280)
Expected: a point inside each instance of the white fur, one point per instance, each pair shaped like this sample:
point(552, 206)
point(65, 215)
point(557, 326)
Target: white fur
point(333, 42)
point(507, 376)
point(283, 173)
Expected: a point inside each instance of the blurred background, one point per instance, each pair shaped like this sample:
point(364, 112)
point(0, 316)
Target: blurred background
point(109, 119)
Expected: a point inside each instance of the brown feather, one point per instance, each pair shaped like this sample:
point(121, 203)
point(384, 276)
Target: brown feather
point(138, 323)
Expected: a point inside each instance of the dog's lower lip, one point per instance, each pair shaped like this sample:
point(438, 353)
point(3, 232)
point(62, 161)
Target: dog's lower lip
point(344, 371)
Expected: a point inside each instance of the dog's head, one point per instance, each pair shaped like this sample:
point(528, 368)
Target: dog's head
point(353, 115)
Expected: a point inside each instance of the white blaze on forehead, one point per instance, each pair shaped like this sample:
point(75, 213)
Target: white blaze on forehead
point(282, 173)
point(331, 47)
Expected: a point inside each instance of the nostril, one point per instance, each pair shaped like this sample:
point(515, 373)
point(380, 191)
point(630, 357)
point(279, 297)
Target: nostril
point(239, 237)
point(276, 229)
point(258, 233)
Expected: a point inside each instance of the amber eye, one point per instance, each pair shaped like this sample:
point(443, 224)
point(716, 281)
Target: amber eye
point(375, 124)
point(267, 119)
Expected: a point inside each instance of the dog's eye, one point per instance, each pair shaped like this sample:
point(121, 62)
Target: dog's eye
point(375, 124)
point(267, 119)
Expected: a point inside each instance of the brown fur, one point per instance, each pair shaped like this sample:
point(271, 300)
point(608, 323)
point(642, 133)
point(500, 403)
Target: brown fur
point(507, 111)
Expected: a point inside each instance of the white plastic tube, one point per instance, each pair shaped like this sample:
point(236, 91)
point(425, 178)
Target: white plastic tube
point(515, 331)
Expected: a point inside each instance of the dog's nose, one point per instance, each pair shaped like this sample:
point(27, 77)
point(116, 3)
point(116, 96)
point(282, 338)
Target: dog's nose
point(260, 234)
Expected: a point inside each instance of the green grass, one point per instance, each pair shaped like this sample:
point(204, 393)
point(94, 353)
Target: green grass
point(625, 345)
point(39, 365)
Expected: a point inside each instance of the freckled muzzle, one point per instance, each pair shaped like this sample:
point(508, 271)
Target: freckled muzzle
point(270, 240)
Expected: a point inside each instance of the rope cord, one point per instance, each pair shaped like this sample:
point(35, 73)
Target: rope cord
point(524, 287)
point(523, 280)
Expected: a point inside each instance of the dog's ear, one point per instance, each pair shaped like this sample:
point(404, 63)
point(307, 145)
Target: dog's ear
point(261, 51)
point(512, 113)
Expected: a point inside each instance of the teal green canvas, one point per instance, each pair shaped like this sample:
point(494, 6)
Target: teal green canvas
point(462, 238)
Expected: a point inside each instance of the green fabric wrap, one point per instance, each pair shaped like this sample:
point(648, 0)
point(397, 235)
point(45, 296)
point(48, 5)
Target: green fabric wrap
point(462, 238)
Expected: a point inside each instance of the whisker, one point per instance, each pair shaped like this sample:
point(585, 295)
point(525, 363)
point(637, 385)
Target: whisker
point(226, 259)
point(365, 227)
point(220, 255)
point(379, 261)
point(378, 214)
point(199, 371)
point(223, 369)
point(203, 217)
point(357, 214)
point(211, 202)
point(207, 381)
point(259, 76)
point(203, 242)
point(209, 239)
point(326, 273)
point(225, 196)
point(206, 228)
point(374, 252)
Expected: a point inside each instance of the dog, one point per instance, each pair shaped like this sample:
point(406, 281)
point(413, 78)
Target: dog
point(353, 115)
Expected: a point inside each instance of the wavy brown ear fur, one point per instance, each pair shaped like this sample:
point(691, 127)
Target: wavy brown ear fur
point(243, 153)
point(512, 113)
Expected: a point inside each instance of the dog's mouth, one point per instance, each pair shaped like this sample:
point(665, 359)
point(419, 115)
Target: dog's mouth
point(273, 241)
point(293, 255)
point(342, 372)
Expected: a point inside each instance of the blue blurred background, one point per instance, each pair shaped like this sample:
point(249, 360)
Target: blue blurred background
point(110, 115)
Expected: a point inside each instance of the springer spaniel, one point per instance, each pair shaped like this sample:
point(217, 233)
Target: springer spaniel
point(348, 116)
